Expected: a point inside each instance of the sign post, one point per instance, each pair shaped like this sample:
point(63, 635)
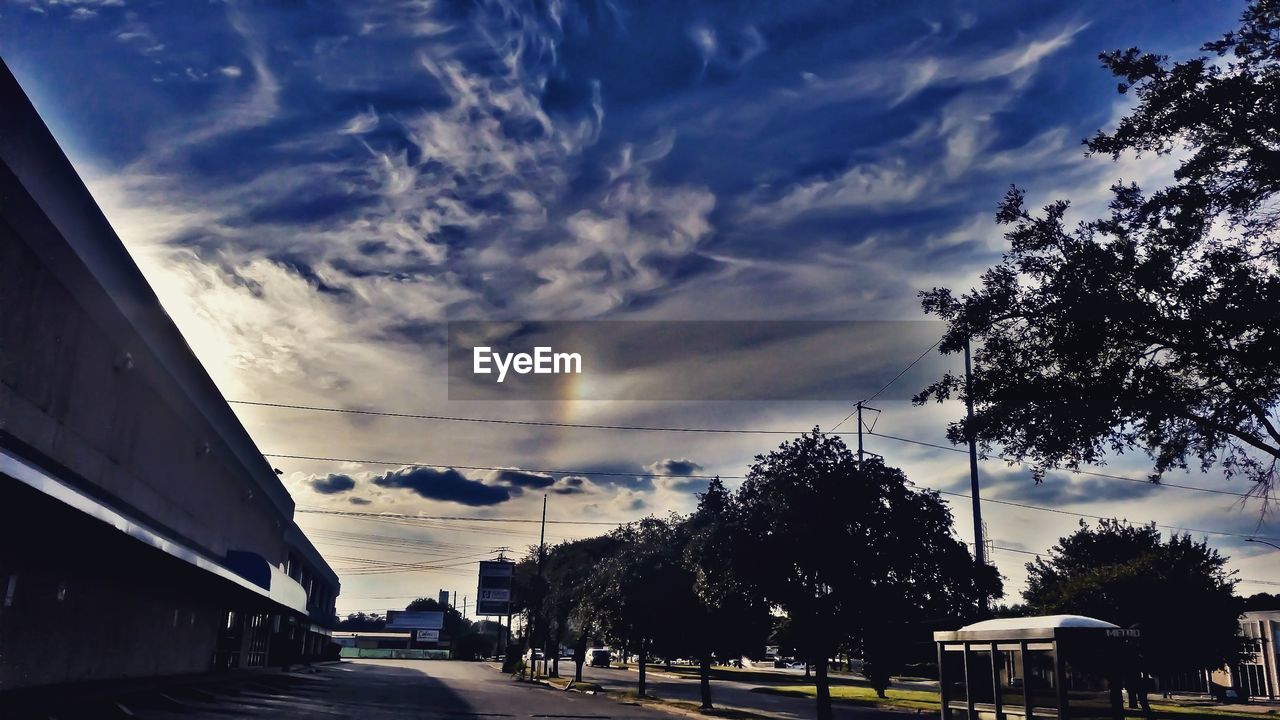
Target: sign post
point(493, 597)
point(494, 594)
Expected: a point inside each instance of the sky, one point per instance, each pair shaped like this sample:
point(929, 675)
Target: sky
point(316, 189)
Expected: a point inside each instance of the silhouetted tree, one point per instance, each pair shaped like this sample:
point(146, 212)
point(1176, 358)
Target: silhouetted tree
point(646, 591)
point(1126, 574)
point(528, 595)
point(730, 618)
point(371, 622)
point(573, 585)
point(1262, 601)
point(851, 553)
point(1157, 326)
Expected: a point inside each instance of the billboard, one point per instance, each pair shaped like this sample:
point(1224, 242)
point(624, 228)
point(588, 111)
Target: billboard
point(494, 594)
point(415, 620)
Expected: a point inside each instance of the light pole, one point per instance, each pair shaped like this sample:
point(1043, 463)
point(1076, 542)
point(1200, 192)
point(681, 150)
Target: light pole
point(1264, 542)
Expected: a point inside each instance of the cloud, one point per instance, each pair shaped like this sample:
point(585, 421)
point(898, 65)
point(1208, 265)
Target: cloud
point(332, 484)
point(726, 51)
point(375, 171)
point(572, 485)
point(521, 479)
point(1063, 488)
point(670, 471)
point(362, 123)
point(866, 185)
point(674, 466)
point(446, 484)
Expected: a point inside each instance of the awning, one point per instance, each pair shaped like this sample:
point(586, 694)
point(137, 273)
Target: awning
point(279, 587)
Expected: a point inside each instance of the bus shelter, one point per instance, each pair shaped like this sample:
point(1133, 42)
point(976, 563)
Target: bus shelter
point(1035, 668)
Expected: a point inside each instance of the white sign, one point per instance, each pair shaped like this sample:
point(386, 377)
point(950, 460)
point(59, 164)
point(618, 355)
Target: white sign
point(498, 595)
point(428, 636)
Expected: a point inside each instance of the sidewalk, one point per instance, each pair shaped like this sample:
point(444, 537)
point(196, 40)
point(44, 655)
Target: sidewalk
point(110, 698)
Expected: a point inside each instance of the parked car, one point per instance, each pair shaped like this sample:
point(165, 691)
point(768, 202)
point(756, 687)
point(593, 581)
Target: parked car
point(600, 657)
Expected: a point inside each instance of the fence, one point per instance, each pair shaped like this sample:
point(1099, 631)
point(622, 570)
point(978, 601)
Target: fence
point(393, 654)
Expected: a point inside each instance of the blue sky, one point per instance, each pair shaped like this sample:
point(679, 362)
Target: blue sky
point(314, 188)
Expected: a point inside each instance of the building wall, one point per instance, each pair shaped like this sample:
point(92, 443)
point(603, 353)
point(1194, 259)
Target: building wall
point(88, 397)
point(80, 602)
point(1258, 674)
point(99, 390)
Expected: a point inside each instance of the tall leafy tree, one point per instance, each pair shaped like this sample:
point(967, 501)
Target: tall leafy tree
point(1157, 326)
point(730, 618)
point(570, 601)
point(646, 591)
point(851, 552)
point(1127, 574)
point(528, 598)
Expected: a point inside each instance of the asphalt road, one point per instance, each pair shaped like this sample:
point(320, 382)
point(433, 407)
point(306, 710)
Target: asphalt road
point(369, 690)
point(730, 695)
point(427, 689)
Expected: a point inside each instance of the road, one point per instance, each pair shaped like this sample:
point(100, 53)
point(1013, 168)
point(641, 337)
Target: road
point(427, 689)
point(728, 694)
point(369, 690)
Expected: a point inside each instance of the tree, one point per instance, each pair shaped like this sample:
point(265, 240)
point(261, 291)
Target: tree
point(1157, 326)
point(851, 553)
point(572, 586)
point(528, 595)
point(371, 622)
point(729, 619)
point(1126, 574)
point(1262, 601)
point(645, 589)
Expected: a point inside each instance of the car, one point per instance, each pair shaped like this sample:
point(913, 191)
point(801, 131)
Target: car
point(600, 657)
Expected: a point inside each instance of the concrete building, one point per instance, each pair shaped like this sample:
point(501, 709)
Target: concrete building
point(142, 533)
point(1256, 677)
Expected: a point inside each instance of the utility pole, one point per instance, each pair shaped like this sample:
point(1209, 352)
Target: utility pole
point(542, 553)
point(863, 406)
point(859, 432)
point(978, 541)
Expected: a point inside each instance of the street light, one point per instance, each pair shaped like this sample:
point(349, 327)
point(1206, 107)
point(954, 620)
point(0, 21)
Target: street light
point(1264, 542)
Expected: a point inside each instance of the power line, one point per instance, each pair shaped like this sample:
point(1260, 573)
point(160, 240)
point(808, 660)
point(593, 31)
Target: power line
point(456, 518)
point(654, 428)
point(1038, 554)
point(898, 377)
point(1014, 550)
point(401, 463)
point(536, 423)
point(1101, 517)
point(884, 387)
point(460, 518)
point(1077, 471)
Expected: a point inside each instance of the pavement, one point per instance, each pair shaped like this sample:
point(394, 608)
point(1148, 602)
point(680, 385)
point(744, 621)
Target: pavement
point(360, 689)
point(731, 695)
